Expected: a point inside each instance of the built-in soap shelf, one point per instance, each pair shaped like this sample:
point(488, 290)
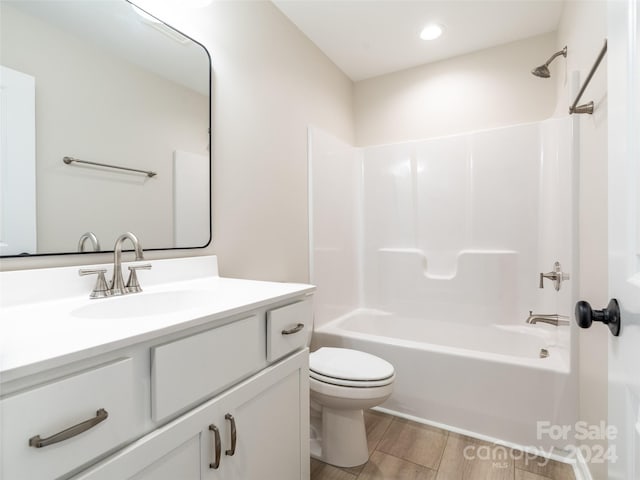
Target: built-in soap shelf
point(477, 283)
point(444, 265)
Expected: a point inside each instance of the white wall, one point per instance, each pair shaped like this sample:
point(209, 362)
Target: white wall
point(484, 89)
point(583, 28)
point(270, 82)
point(87, 106)
point(270, 85)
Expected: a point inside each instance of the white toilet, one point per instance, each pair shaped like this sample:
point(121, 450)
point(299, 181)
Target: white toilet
point(343, 382)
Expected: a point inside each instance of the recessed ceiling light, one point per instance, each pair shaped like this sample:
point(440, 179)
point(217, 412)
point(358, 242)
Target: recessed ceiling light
point(431, 31)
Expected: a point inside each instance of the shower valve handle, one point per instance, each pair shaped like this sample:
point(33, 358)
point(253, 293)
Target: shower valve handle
point(610, 316)
point(558, 276)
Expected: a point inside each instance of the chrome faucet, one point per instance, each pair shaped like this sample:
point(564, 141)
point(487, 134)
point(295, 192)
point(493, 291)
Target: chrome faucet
point(95, 244)
point(558, 276)
point(117, 286)
point(551, 319)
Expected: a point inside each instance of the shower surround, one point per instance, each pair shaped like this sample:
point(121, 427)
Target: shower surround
point(428, 254)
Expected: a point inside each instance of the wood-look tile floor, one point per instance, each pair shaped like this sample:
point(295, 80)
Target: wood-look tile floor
point(403, 450)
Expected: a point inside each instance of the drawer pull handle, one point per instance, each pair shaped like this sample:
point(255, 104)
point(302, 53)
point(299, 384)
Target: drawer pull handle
point(293, 330)
point(217, 446)
point(37, 442)
point(234, 436)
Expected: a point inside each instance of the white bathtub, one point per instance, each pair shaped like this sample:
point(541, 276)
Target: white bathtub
point(485, 380)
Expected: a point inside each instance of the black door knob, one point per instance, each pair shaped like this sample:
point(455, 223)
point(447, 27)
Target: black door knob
point(585, 316)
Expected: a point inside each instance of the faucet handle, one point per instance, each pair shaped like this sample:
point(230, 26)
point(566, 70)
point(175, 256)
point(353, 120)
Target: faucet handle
point(101, 289)
point(557, 275)
point(133, 286)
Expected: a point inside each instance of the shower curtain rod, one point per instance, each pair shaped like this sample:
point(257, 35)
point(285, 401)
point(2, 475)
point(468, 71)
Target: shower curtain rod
point(588, 107)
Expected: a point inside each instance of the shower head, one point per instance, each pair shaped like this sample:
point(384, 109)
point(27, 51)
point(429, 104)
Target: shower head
point(543, 70)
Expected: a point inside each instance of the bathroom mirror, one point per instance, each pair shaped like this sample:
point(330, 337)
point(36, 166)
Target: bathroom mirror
point(100, 81)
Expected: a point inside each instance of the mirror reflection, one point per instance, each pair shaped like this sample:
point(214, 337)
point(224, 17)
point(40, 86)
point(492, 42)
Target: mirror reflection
point(103, 83)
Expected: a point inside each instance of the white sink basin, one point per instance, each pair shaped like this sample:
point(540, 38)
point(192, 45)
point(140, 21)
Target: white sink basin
point(143, 304)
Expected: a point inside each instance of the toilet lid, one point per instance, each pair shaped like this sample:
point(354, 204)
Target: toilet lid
point(346, 364)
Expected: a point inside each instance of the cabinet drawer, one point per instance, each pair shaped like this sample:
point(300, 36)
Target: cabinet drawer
point(194, 368)
point(288, 328)
point(47, 410)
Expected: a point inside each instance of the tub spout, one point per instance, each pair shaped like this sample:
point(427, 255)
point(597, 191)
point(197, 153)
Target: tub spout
point(551, 319)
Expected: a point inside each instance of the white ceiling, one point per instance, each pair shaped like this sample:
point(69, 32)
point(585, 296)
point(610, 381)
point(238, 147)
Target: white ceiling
point(367, 38)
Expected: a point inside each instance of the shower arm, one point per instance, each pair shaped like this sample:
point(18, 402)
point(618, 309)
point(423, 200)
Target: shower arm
point(588, 107)
point(562, 52)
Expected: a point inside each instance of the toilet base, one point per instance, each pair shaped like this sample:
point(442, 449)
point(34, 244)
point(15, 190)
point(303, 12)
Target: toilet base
point(339, 437)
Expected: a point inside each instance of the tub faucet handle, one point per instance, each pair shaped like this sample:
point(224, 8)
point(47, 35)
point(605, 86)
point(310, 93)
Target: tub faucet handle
point(557, 275)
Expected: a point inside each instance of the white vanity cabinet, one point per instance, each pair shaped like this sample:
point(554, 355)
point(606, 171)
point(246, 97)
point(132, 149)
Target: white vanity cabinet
point(141, 396)
point(269, 412)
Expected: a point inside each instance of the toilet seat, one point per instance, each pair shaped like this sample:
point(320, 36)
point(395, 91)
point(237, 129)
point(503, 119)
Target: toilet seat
point(341, 382)
point(349, 368)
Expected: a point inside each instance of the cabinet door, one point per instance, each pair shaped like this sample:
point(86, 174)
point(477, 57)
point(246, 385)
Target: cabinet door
point(268, 427)
point(175, 451)
point(183, 462)
point(271, 416)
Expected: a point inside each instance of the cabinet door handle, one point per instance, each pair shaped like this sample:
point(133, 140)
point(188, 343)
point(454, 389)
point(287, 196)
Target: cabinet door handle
point(37, 442)
point(217, 447)
point(293, 330)
point(234, 436)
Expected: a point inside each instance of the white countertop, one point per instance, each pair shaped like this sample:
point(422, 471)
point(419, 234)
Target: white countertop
point(38, 335)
